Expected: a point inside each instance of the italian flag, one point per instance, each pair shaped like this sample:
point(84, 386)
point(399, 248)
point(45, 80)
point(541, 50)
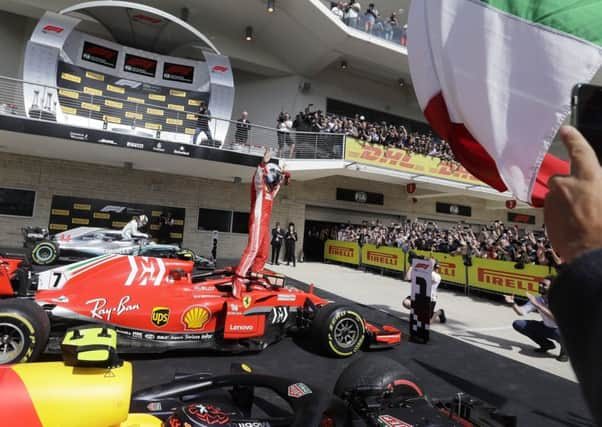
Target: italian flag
point(494, 79)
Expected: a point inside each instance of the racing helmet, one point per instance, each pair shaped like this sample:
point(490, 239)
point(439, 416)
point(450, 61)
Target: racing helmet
point(142, 220)
point(273, 175)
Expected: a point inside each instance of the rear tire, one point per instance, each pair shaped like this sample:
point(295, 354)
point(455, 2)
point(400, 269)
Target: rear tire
point(44, 252)
point(339, 330)
point(24, 331)
point(378, 372)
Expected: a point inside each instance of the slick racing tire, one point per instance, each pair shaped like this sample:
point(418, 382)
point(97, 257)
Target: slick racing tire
point(378, 372)
point(24, 331)
point(338, 330)
point(44, 253)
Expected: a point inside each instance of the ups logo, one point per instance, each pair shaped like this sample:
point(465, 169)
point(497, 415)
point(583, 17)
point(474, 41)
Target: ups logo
point(160, 316)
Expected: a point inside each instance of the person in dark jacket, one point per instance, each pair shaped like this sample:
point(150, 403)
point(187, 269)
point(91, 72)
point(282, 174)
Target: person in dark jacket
point(291, 239)
point(243, 127)
point(574, 226)
point(165, 223)
point(202, 124)
point(277, 239)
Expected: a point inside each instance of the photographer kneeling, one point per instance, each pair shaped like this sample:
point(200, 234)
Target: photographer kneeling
point(542, 332)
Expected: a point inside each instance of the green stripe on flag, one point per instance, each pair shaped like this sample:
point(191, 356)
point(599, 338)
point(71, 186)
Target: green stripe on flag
point(85, 262)
point(581, 18)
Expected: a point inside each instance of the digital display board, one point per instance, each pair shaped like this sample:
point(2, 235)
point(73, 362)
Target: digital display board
point(139, 65)
point(99, 55)
point(178, 72)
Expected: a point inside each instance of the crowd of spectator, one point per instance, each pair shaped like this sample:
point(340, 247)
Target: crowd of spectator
point(494, 241)
point(371, 21)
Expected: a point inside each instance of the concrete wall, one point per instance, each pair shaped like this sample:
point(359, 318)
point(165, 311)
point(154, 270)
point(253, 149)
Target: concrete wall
point(54, 177)
point(14, 33)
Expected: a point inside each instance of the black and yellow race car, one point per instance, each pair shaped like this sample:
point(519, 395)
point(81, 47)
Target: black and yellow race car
point(92, 388)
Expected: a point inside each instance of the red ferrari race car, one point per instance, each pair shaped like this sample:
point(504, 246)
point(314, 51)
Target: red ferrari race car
point(158, 304)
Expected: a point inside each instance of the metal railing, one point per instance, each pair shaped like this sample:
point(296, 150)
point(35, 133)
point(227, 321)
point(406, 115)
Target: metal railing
point(380, 28)
point(87, 109)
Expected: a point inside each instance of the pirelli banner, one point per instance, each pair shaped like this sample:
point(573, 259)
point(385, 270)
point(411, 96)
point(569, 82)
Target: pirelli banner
point(451, 267)
point(345, 252)
point(68, 212)
point(383, 257)
point(404, 161)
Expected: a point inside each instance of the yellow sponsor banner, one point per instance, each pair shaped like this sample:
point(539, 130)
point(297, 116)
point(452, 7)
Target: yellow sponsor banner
point(176, 235)
point(404, 161)
point(154, 126)
point(178, 222)
point(136, 100)
point(504, 278)
point(71, 77)
point(91, 107)
point(115, 89)
point(347, 252)
point(101, 215)
point(175, 107)
point(60, 212)
point(155, 111)
point(179, 93)
point(132, 115)
point(80, 221)
point(194, 102)
point(383, 257)
point(451, 267)
point(82, 206)
point(156, 97)
point(69, 110)
point(189, 131)
point(112, 119)
point(95, 76)
point(154, 227)
point(113, 104)
point(177, 122)
point(118, 224)
point(92, 91)
point(58, 227)
point(69, 93)
point(155, 213)
point(190, 116)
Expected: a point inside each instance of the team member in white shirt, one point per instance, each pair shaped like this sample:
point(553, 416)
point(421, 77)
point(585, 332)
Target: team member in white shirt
point(436, 280)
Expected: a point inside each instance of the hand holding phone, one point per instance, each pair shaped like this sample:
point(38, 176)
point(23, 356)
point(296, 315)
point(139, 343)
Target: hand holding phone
point(586, 109)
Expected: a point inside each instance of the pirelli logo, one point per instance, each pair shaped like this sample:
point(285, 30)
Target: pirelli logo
point(190, 116)
point(506, 281)
point(114, 104)
point(447, 268)
point(101, 215)
point(189, 131)
point(92, 91)
point(154, 111)
point(115, 89)
point(71, 77)
point(175, 107)
point(118, 224)
point(154, 126)
point(80, 221)
point(382, 258)
point(69, 93)
point(156, 213)
point(69, 110)
point(178, 222)
point(132, 115)
point(156, 97)
point(82, 206)
point(58, 227)
point(176, 122)
point(91, 107)
point(175, 235)
point(135, 100)
point(340, 251)
point(154, 227)
point(178, 93)
point(194, 102)
point(95, 76)
point(113, 119)
point(59, 212)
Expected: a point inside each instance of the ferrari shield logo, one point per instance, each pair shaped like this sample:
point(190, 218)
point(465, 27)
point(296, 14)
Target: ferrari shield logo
point(246, 301)
point(160, 316)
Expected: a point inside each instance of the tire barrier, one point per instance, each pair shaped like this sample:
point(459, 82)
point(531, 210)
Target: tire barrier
point(501, 277)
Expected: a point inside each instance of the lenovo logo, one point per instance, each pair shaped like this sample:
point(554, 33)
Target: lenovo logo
point(340, 251)
point(52, 29)
point(381, 258)
point(219, 69)
point(240, 328)
point(509, 280)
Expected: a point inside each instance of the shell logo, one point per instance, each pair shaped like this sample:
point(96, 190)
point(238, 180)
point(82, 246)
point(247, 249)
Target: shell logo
point(196, 317)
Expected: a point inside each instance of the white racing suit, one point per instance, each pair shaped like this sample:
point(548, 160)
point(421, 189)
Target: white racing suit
point(130, 231)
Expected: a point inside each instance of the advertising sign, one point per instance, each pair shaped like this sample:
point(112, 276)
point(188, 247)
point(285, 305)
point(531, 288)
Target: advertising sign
point(99, 54)
point(404, 161)
point(139, 65)
point(451, 267)
point(68, 212)
point(346, 252)
point(383, 257)
point(178, 72)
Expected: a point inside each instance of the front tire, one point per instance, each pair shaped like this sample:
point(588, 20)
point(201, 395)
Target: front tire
point(44, 253)
point(338, 329)
point(24, 331)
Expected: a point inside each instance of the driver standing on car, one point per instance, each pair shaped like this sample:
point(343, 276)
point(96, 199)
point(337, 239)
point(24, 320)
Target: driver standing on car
point(130, 231)
point(264, 187)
